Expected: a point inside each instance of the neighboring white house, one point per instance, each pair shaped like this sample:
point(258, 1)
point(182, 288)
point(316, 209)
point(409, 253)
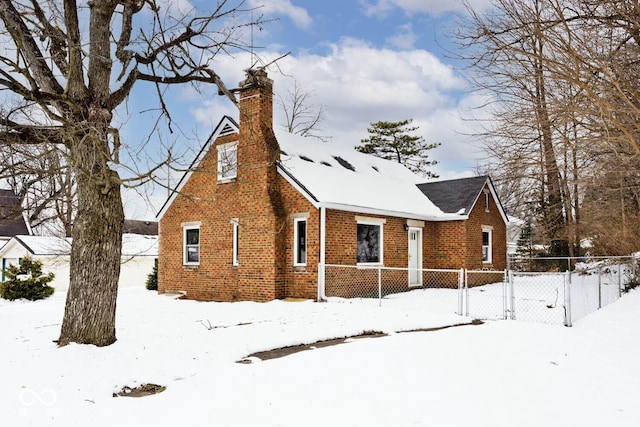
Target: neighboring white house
point(139, 253)
point(514, 230)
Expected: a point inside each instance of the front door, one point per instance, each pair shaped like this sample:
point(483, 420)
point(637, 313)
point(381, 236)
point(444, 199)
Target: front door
point(415, 256)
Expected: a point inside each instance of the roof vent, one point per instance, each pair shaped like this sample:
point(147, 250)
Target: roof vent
point(227, 130)
point(344, 163)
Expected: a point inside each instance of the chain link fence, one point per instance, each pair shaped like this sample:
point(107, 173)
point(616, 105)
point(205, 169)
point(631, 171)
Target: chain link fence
point(437, 291)
point(554, 297)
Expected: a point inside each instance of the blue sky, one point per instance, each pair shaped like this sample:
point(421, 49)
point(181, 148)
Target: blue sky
point(363, 61)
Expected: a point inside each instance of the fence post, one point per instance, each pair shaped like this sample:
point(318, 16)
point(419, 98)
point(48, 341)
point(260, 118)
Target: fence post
point(461, 292)
point(505, 296)
point(321, 290)
point(466, 290)
point(620, 268)
point(379, 286)
point(599, 288)
point(567, 298)
point(511, 297)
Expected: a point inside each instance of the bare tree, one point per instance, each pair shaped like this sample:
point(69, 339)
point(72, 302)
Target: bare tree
point(71, 78)
point(302, 117)
point(562, 78)
point(39, 176)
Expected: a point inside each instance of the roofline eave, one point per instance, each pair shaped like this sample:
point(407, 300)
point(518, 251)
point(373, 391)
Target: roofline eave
point(386, 212)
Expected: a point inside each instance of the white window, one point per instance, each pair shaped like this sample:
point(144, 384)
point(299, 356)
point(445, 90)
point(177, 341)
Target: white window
point(369, 233)
point(487, 246)
point(236, 237)
point(299, 241)
point(191, 252)
point(227, 161)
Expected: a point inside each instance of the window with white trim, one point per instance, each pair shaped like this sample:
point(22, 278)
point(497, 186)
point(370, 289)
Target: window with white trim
point(299, 242)
point(487, 244)
point(227, 161)
point(369, 241)
point(236, 237)
point(191, 233)
point(486, 200)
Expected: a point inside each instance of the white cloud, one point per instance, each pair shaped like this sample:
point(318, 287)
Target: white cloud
point(358, 84)
point(175, 7)
point(298, 15)
point(431, 7)
point(405, 38)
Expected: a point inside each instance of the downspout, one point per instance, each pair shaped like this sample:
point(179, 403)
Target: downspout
point(321, 266)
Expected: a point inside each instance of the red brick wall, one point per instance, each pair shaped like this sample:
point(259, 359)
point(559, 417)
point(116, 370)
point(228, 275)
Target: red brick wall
point(265, 205)
point(299, 282)
point(341, 241)
point(447, 249)
point(479, 217)
point(253, 197)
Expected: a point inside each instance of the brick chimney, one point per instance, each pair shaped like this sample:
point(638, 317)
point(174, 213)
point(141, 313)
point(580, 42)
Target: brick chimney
point(256, 107)
point(262, 212)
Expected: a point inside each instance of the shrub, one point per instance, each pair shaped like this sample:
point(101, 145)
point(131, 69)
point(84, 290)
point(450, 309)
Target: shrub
point(152, 278)
point(26, 281)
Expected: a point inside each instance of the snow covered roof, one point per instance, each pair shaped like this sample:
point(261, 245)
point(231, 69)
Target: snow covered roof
point(339, 177)
point(336, 176)
point(45, 245)
point(132, 245)
point(139, 245)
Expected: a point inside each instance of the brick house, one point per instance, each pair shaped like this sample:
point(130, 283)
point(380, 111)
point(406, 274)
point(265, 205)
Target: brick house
point(256, 215)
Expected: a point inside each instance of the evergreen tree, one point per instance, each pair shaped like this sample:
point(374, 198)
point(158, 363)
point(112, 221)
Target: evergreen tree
point(395, 141)
point(152, 278)
point(26, 281)
point(525, 247)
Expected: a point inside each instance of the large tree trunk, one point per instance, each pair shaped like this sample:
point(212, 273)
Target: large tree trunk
point(555, 221)
point(89, 316)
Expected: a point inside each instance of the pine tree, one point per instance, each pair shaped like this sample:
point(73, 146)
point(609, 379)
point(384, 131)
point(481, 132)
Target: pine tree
point(152, 278)
point(26, 281)
point(395, 141)
point(525, 247)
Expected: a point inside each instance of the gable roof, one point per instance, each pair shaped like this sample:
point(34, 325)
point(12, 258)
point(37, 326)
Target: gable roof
point(132, 245)
point(459, 196)
point(226, 126)
point(339, 177)
point(45, 245)
point(12, 222)
point(335, 176)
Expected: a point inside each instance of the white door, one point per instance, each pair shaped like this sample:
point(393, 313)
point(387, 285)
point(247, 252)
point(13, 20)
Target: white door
point(415, 256)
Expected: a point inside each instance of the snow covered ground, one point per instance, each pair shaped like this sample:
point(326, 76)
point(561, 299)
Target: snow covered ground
point(502, 373)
